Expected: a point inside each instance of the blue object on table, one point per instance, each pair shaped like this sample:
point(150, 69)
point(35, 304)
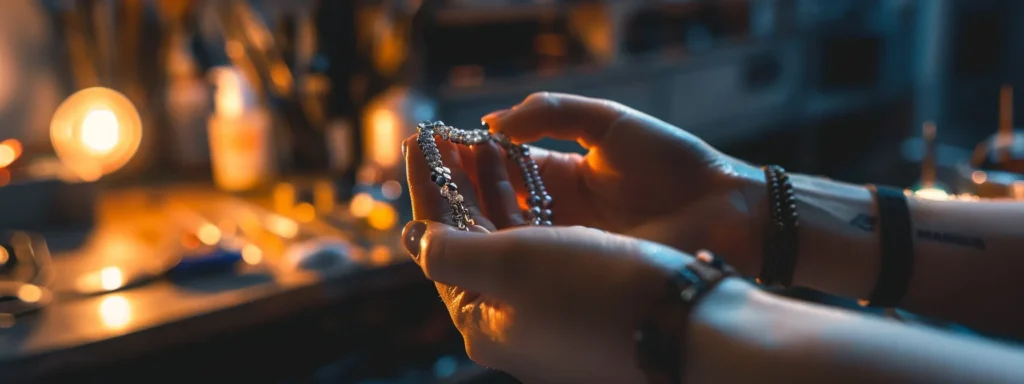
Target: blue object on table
point(213, 260)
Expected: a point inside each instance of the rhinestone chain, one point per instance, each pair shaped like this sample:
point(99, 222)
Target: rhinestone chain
point(539, 201)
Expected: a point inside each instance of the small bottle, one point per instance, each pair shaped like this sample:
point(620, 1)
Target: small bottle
point(241, 150)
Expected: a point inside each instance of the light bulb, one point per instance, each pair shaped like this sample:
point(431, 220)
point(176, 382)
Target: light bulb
point(95, 131)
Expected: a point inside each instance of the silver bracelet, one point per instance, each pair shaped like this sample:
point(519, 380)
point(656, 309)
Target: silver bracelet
point(538, 201)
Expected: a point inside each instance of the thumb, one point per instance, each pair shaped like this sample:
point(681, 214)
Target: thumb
point(474, 260)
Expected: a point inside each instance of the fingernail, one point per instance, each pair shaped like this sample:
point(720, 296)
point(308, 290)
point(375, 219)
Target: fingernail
point(492, 116)
point(411, 236)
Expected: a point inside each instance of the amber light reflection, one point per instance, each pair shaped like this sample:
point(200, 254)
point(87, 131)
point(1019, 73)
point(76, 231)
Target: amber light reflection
point(115, 311)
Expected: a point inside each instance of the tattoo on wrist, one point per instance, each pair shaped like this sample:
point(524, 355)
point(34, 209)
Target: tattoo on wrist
point(864, 222)
point(867, 223)
point(954, 239)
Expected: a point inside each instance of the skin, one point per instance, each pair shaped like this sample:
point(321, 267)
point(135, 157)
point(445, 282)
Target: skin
point(558, 305)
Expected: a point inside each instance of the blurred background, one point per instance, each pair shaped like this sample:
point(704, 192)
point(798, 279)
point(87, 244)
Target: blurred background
point(199, 189)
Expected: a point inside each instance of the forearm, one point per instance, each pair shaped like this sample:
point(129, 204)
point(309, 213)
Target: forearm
point(740, 334)
point(966, 253)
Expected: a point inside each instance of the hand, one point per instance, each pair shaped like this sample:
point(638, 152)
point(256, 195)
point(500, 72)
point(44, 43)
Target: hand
point(641, 177)
point(546, 304)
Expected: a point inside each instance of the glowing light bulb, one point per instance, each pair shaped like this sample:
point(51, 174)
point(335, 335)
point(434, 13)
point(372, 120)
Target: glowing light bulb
point(99, 131)
point(95, 131)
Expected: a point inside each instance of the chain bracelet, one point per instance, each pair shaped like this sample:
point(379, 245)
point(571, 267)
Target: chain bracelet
point(538, 200)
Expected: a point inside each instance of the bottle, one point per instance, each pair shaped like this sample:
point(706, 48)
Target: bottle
point(241, 150)
point(187, 104)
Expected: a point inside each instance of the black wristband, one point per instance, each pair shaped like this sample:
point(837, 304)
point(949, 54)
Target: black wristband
point(778, 260)
point(659, 341)
point(897, 253)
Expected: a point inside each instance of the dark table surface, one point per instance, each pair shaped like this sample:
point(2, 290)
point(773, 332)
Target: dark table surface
point(77, 332)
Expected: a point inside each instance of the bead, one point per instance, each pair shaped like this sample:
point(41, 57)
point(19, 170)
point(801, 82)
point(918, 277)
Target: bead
point(440, 181)
point(546, 201)
point(533, 200)
point(546, 223)
point(544, 214)
point(536, 212)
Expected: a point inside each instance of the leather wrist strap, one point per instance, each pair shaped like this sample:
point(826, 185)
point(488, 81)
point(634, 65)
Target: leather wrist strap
point(897, 247)
point(660, 351)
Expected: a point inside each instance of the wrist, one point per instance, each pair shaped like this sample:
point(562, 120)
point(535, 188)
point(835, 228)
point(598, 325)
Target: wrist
point(838, 242)
point(751, 185)
point(721, 328)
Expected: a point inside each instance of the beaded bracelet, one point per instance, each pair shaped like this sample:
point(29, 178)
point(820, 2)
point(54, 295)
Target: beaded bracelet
point(538, 200)
point(780, 248)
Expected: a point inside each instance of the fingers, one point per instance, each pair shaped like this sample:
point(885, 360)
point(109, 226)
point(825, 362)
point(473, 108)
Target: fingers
point(497, 193)
point(560, 116)
point(427, 202)
point(471, 260)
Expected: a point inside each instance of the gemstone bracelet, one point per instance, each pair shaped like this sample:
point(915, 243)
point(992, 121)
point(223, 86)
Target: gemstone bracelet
point(538, 200)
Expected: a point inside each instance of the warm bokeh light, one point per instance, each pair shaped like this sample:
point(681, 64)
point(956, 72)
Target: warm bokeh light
point(284, 197)
point(30, 293)
point(361, 205)
point(230, 94)
point(96, 131)
point(251, 254)
point(380, 255)
point(391, 189)
point(282, 226)
point(111, 278)
point(385, 146)
point(4, 256)
point(304, 212)
point(932, 194)
point(115, 311)
point(10, 150)
point(324, 196)
point(208, 234)
point(979, 177)
point(383, 216)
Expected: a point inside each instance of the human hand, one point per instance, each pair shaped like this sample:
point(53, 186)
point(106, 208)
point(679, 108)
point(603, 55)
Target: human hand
point(545, 304)
point(641, 177)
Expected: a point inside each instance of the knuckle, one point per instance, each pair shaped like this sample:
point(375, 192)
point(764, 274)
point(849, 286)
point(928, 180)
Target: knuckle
point(543, 97)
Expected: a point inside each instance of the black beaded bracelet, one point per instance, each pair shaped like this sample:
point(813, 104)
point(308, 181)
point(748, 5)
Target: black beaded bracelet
point(780, 241)
point(659, 341)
